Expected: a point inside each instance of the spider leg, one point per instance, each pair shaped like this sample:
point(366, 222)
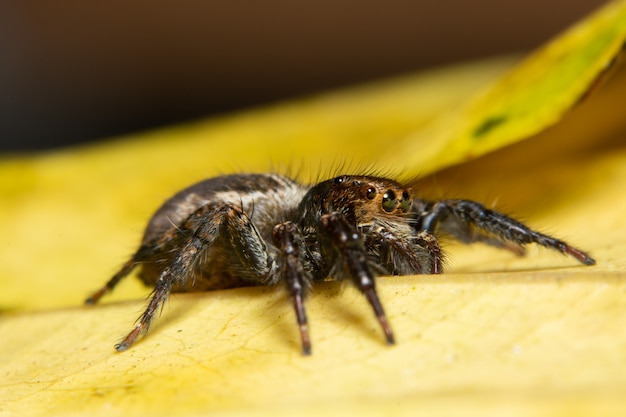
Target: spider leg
point(289, 239)
point(470, 221)
point(142, 253)
point(204, 227)
point(346, 240)
point(179, 268)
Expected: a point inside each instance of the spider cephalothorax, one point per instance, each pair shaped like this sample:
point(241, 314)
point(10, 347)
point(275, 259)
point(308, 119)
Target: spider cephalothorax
point(261, 229)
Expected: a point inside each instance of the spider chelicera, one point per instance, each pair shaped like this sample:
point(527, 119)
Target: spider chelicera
point(263, 229)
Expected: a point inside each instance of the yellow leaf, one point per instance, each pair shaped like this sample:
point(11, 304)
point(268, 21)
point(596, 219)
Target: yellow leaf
point(534, 95)
point(497, 335)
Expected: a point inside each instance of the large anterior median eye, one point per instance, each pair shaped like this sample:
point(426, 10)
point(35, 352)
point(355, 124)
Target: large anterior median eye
point(389, 201)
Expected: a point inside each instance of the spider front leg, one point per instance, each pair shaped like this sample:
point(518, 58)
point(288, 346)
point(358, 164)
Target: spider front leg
point(469, 221)
point(225, 223)
point(289, 239)
point(346, 240)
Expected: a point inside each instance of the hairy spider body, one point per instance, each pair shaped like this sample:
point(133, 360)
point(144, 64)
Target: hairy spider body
point(263, 229)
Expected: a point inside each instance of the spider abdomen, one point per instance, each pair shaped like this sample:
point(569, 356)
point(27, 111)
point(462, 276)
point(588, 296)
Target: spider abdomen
point(263, 200)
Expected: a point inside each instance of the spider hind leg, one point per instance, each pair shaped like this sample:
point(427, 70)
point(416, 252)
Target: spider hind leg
point(233, 228)
point(142, 254)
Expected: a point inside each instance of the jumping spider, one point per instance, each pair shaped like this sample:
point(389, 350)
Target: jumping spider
point(264, 229)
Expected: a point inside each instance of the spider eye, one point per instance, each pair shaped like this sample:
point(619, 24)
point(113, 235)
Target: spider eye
point(338, 180)
point(389, 201)
point(405, 203)
point(371, 193)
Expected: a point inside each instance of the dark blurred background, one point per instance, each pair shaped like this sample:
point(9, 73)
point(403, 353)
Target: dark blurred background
point(74, 72)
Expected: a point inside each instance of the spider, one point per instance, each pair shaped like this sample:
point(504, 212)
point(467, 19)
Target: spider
point(264, 229)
